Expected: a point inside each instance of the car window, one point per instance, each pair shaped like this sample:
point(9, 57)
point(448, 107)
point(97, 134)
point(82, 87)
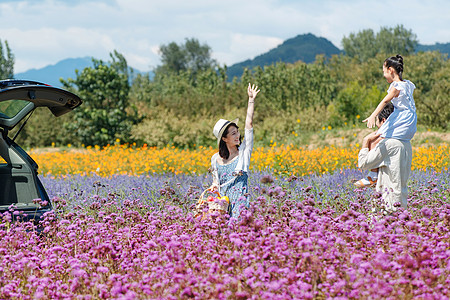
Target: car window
point(10, 108)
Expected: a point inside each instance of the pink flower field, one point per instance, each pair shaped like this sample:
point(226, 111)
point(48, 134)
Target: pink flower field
point(314, 237)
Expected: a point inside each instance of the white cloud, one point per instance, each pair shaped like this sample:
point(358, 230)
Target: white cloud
point(44, 32)
point(244, 45)
point(142, 63)
point(37, 47)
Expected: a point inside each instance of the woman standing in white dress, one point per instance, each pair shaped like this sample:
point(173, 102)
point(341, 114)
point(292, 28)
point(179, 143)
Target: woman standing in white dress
point(231, 164)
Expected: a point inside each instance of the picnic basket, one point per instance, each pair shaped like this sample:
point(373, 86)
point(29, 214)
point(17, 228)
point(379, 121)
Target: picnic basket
point(215, 203)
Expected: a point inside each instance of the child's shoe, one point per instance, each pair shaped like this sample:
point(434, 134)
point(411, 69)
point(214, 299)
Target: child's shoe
point(366, 182)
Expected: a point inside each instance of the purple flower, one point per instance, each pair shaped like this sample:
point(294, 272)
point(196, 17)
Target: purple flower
point(125, 240)
point(356, 258)
point(102, 269)
point(426, 212)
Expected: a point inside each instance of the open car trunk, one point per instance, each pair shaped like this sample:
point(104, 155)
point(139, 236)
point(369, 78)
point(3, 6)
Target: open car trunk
point(19, 183)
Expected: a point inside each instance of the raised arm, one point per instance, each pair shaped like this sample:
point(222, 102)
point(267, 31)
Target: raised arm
point(252, 91)
point(391, 95)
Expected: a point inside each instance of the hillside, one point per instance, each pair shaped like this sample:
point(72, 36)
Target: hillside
point(62, 69)
point(51, 74)
point(444, 48)
point(303, 47)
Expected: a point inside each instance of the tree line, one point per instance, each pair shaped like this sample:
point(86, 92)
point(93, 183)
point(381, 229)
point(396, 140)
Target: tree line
point(189, 91)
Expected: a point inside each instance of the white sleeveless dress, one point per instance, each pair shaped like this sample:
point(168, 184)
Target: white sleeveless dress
point(402, 123)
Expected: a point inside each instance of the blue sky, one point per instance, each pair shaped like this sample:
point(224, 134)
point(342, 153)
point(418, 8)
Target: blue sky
point(41, 33)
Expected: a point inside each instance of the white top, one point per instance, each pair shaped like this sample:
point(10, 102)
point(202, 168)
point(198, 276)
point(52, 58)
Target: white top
point(393, 158)
point(245, 153)
point(402, 123)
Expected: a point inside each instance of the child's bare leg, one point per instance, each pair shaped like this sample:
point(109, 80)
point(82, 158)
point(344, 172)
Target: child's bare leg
point(372, 177)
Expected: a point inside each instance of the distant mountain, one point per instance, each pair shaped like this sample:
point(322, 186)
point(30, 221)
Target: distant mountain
point(444, 48)
point(303, 47)
point(62, 69)
point(51, 74)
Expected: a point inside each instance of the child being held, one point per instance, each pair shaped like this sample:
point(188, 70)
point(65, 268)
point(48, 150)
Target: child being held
point(402, 123)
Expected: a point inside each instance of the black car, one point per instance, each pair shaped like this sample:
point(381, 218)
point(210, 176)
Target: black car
point(20, 187)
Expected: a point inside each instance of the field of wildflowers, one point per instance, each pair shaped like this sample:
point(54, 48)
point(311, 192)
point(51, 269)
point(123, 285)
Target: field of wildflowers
point(123, 228)
point(287, 160)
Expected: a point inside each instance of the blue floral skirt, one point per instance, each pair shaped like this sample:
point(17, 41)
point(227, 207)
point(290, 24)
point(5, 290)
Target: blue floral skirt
point(236, 190)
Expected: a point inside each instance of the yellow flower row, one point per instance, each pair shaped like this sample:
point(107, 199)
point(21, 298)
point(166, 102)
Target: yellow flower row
point(288, 160)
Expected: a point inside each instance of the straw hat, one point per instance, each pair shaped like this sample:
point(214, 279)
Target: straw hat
point(220, 127)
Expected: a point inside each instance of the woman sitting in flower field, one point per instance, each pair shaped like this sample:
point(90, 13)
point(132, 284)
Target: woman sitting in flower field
point(231, 164)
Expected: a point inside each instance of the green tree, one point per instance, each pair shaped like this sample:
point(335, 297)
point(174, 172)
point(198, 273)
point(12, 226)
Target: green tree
point(361, 44)
point(119, 63)
point(188, 56)
point(105, 114)
point(6, 61)
point(396, 40)
point(430, 72)
point(355, 100)
point(295, 100)
point(292, 87)
point(389, 40)
point(436, 107)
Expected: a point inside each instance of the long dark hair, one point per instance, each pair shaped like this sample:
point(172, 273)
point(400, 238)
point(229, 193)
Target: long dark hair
point(223, 149)
point(396, 62)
